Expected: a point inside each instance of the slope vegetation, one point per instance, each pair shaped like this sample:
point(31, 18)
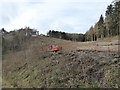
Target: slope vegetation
point(74, 67)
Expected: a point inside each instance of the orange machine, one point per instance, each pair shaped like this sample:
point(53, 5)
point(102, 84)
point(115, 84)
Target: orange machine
point(55, 48)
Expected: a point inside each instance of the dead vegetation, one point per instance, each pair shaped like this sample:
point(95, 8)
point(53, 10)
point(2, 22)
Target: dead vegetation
point(34, 67)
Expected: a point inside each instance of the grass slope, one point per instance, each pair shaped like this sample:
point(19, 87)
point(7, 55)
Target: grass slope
point(35, 67)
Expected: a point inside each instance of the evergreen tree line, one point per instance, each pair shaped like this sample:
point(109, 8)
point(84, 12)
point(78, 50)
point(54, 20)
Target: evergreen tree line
point(106, 27)
point(66, 36)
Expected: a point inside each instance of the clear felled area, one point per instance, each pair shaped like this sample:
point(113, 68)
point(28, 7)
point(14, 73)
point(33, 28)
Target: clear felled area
point(33, 66)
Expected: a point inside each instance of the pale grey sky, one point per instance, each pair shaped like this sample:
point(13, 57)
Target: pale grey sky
point(74, 16)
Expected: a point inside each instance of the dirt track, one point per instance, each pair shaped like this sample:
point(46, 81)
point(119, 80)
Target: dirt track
point(112, 46)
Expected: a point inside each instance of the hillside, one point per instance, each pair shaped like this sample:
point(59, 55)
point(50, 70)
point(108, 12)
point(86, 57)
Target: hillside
point(89, 60)
point(78, 65)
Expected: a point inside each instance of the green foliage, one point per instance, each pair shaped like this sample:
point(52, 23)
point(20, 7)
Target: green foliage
point(109, 10)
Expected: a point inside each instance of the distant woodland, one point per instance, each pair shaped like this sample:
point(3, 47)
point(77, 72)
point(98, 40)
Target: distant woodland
point(66, 36)
point(105, 27)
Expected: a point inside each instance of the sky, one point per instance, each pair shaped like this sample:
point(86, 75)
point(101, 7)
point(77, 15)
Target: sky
point(72, 16)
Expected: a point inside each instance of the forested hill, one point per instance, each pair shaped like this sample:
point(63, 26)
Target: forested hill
point(105, 27)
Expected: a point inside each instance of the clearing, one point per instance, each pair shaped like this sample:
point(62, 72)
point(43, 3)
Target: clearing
point(79, 65)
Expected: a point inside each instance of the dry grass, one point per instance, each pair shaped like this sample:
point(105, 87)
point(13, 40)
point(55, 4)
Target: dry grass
point(109, 38)
point(35, 67)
